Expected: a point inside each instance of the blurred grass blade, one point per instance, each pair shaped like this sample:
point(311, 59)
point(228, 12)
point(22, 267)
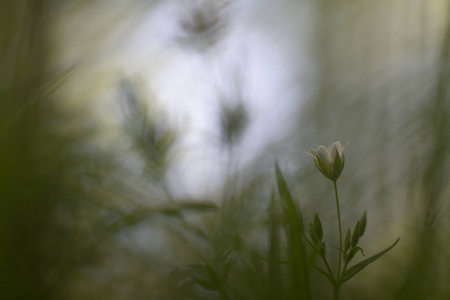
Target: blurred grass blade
point(360, 266)
point(200, 275)
point(296, 246)
point(196, 205)
point(282, 262)
point(36, 97)
point(172, 210)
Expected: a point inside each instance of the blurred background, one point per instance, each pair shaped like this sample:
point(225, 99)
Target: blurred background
point(138, 139)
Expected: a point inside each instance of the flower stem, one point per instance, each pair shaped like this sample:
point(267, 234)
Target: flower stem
point(336, 292)
point(338, 277)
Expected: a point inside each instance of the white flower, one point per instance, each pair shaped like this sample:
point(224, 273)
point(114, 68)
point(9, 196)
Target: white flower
point(329, 160)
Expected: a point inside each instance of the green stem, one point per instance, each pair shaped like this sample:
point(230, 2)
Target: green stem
point(345, 267)
point(223, 293)
point(329, 270)
point(338, 283)
point(324, 259)
point(336, 292)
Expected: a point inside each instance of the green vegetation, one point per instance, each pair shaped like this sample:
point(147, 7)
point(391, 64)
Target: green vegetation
point(81, 220)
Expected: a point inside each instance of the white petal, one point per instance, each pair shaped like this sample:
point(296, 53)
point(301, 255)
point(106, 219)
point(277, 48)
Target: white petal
point(329, 148)
point(333, 153)
point(343, 148)
point(323, 154)
point(338, 146)
point(312, 153)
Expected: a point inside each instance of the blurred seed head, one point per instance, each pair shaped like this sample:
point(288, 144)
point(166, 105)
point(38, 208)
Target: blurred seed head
point(151, 136)
point(233, 121)
point(202, 24)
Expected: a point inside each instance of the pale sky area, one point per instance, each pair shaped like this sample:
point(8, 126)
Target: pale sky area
point(261, 60)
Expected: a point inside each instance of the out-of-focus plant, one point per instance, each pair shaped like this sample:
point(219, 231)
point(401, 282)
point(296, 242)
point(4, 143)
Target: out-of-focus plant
point(330, 162)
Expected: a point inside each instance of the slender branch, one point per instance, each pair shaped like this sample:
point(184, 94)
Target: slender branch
point(335, 283)
point(345, 267)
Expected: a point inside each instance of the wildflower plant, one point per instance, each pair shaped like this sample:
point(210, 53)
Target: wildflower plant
point(330, 162)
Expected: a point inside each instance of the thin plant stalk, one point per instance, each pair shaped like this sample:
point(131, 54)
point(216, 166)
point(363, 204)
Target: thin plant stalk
point(338, 277)
point(336, 292)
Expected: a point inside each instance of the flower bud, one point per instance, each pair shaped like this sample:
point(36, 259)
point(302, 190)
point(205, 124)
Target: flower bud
point(318, 227)
point(322, 249)
point(312, 233)
point(347, 240)
point(329, 160)
point(362, 223)
point(355, 235)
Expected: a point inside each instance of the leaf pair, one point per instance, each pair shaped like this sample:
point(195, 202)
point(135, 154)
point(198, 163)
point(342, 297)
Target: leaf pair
point(360, 266)
point(350, 249)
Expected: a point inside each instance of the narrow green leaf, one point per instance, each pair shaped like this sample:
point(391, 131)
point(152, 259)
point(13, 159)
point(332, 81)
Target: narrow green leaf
point(141, 213)
point(352, 253)
point(196, 205)
point(358, 267)
point(282, 262)
point(296, 246)
point(324, 273)
point(355, 235)
point(285, 195)
point(347, 240)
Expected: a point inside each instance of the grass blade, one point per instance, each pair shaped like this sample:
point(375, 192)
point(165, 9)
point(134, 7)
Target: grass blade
point(296, 246)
